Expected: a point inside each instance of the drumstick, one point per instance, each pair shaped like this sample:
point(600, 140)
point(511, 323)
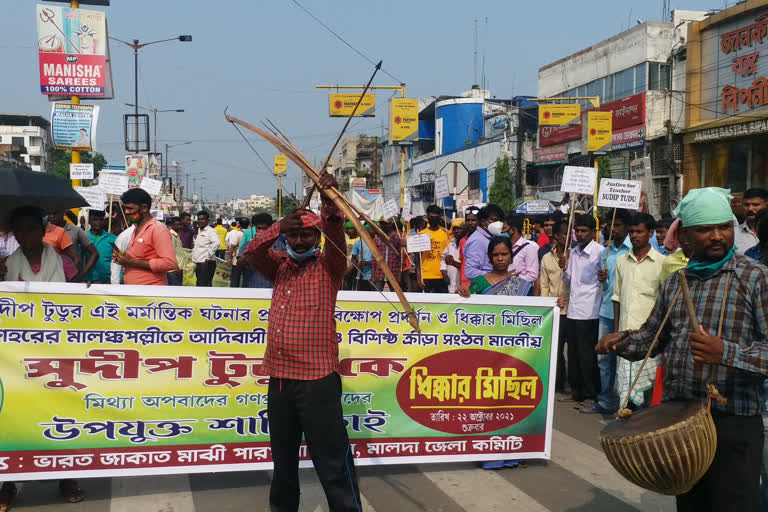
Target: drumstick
point(688, 301)
point(623, 411)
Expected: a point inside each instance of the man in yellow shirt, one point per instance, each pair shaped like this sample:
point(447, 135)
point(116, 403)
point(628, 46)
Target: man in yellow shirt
point(638, 281)
point(222, 232)
point(430, 260)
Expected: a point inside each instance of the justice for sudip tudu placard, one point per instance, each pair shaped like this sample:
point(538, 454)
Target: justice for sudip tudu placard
point(72, 47)
point(138, 380)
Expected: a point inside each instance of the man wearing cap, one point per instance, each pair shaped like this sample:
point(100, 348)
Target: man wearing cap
point(302, 356)
point(730, 349)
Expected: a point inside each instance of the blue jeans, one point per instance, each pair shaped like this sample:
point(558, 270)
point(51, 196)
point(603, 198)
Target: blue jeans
point(174, 279)
point(607, 398)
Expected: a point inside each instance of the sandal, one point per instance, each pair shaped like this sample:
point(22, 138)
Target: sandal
point(7, 494)
point(71, 491)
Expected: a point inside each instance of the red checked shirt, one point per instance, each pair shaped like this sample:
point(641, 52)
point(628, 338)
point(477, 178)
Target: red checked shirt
point(391, 256)
point(301, 335)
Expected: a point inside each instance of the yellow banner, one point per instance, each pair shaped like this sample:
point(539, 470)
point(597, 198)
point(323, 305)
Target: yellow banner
point(559, 115)
point(281, 164)
point(403, 120)
point(342, 105)
point(599, 131)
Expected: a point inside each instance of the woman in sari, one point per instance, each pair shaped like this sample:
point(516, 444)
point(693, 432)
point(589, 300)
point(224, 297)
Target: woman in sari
point(501, 280)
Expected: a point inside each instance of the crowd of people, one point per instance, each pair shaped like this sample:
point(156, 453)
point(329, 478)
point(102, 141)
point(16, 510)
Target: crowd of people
point(618, 279)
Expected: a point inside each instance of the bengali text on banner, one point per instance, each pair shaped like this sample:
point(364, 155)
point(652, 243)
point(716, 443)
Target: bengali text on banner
point(131, 380)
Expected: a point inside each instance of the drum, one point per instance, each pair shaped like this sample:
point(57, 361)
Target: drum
point(665, 449)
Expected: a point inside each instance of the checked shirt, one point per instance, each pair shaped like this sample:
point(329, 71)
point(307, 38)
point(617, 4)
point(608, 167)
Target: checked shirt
point(739, 375)
point(392, 257)
point(301, 335)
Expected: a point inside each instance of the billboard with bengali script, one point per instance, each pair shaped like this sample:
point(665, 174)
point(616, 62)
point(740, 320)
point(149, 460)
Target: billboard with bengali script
point(72, 49)
point(403, 120)
point(132, 380)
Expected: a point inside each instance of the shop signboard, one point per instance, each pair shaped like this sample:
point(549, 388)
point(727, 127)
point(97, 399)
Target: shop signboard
point(628, 138)
point(550, 155)
point(72, 50)
point(552, 135)
point(627, 111)
point(342, 105)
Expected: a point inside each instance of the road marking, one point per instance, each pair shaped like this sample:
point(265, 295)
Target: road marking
point(168, 493)
point(476, 489)
point(592, 465)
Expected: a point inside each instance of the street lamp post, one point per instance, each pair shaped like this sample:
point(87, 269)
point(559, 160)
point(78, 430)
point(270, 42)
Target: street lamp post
point(136, 46)
point(188, 175)
point(166, 154)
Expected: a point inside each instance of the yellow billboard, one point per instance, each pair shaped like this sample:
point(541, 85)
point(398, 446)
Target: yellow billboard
point(403, 120)
point(342, 105)
point(281, 164)
point(599, 131)
point(559, 115)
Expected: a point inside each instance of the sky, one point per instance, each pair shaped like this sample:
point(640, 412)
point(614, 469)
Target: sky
point(263, 59)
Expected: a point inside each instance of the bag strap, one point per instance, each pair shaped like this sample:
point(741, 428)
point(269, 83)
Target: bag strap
point(519, 248)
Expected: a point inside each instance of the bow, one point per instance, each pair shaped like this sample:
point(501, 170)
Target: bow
point(341, 203)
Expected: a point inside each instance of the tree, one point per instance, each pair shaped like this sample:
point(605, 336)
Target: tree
point(289, 203)
point(59, 160)
point(502, 192)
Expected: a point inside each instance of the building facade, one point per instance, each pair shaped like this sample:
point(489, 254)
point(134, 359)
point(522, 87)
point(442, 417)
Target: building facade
point(24, 140)
point(726, 139)
point(639, 75)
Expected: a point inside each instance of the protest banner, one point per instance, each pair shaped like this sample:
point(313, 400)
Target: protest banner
point(153, 187)
point(579, 180)
point(135, 168)
point(73, 127)
point(131, 380)
point(81, 171)
point(391, 210)
point(419, 243)
point(113, 183)
point(441, 188)
point(96, 196)
point(615, 193)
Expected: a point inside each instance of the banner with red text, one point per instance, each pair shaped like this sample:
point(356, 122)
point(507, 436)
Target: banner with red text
point(131, 380)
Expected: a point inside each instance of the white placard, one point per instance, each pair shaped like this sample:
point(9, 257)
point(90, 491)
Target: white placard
point(406, 202)
point(152, 187)
point(81, 171)
point(419, 243)
point(390, 209)
point(441, 188)
point(113, 184)
point(314, 204)
point(619, 193)
point(158, 214)
point(95, 196)
point(417, 209)
point(579, 180)
point(538, 207)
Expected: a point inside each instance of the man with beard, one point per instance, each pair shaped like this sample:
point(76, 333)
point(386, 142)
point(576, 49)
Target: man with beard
point(476, 249)
point(730, 349)
point(302, 355)
point(430, 260)
point(755, 200)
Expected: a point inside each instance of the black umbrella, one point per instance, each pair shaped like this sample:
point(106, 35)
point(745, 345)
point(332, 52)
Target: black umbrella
point(23, 187)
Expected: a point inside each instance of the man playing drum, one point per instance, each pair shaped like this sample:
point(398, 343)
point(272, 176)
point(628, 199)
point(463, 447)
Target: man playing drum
point(730, 297)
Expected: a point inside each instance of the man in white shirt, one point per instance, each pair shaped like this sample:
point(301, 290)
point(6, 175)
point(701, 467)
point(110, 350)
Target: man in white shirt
point(122, 241)
point(232, 242)
point(204, 251)
point(745, 234)
point(580, 274)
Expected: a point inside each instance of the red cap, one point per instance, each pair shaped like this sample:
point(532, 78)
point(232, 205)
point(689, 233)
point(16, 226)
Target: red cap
point(310, 220)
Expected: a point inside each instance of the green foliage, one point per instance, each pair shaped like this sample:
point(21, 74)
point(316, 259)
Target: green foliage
point(59, 160)
point(502, 192)
point(289, 203)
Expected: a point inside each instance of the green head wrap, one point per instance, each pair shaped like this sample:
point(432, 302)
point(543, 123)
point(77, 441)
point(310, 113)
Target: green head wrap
point(348, 224)
point(703, 206)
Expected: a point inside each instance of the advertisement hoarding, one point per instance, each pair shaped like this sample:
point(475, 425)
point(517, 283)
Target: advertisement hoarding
point(403, 120)
point(73, 127)
point(599, 131)
point(559, 115)
point(342, 105)
point(280, 164)
point(72, 50)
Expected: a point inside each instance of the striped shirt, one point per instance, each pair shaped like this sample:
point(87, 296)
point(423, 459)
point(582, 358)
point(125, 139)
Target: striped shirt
point(744, 365)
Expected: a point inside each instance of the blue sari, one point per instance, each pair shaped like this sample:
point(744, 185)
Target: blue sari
point(511, 286)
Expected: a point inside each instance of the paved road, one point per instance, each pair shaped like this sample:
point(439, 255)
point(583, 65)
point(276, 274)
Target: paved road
point(577, 479)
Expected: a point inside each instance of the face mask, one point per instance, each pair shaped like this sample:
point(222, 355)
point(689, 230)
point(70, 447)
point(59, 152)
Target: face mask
point(505, 235)
point(494, 228)
point(133, 219)
point(299, 257)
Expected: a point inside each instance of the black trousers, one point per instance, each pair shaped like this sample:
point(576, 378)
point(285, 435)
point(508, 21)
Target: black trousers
point(204, 273)
point(583, 374)
point(732, 482)
point(435, 286)
point(561, 377)
point(312, 408)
